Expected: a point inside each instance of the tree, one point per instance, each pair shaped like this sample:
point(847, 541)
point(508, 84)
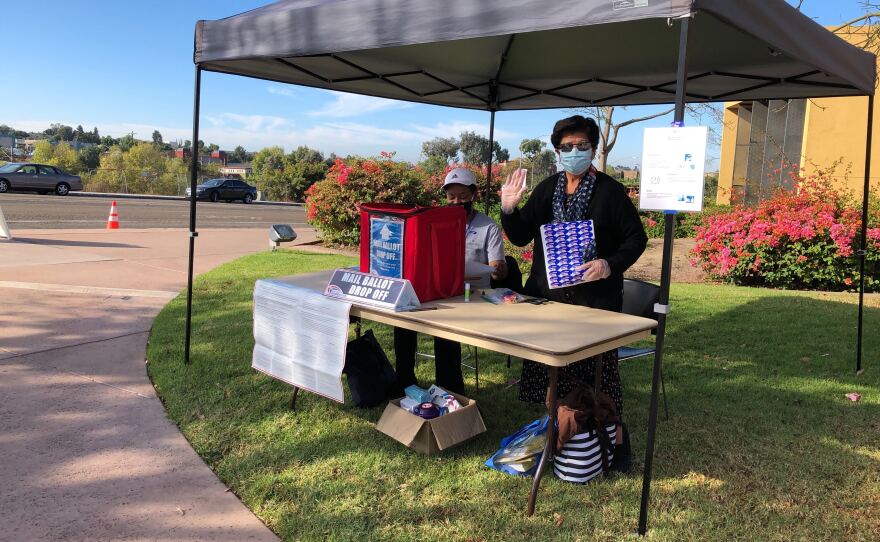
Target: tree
point(66, 158)
point(109, 141)
point(608, 129)
point(531, 148)
point(59, 132)
point(239, 155)
point(89, 158)
point(157, 138)
point(305, 154)
point(443, 147)
point(126, 142)
point(44, 152)
point(268, 160)
point(475, 148)
point(544, 164)
point(434, 165)
point(212, 147)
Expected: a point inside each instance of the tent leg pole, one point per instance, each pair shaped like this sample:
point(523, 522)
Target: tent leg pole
point(863, 252)
point(489, 160)
point(665, 279)
point(193, 181)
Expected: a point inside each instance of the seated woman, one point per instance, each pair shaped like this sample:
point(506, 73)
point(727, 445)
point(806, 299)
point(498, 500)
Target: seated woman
point(483, 244)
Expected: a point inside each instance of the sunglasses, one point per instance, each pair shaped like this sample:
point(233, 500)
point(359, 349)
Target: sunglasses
point(581, 146)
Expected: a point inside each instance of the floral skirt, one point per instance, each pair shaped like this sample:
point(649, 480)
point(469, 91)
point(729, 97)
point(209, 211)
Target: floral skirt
point(534, 381)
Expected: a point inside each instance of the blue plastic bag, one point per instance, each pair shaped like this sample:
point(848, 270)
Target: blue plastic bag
point(520, 452)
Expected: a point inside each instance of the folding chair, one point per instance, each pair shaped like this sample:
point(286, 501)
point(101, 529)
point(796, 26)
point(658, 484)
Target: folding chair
point(639, 298)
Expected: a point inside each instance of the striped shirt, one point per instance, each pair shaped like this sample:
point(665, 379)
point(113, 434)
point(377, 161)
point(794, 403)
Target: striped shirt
point(580, 459)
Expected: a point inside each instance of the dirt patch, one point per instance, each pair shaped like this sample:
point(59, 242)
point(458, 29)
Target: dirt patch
point(648, 266)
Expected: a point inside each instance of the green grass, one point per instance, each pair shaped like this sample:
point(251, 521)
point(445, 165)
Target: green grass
point(760, 445)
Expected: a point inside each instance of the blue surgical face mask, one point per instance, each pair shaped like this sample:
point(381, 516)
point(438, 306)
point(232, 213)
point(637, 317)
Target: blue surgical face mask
point(575, 161)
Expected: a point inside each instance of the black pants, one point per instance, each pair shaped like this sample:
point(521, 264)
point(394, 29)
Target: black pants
point(447, 360)
point(533, 385)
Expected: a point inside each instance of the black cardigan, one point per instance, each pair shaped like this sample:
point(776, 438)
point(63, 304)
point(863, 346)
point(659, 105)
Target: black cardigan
point(620, 240)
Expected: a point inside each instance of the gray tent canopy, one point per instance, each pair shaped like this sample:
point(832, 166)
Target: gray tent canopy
point(523, 54)
point(498, 55)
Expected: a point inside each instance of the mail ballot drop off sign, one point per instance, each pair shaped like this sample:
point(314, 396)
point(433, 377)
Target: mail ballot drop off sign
point(386, 246)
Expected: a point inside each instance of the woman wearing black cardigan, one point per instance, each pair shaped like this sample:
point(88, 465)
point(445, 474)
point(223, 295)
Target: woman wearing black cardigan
point(579, 192)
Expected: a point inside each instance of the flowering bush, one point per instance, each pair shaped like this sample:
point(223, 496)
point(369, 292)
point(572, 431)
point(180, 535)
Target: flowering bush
point(685, 223)
point(805, 238)
point(331, 204)
point(434, 184)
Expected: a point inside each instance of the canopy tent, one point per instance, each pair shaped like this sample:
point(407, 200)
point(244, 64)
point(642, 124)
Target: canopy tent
point(522, 54)
point(498, 55)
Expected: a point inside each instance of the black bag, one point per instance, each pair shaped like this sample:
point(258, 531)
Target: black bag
point(371, 379)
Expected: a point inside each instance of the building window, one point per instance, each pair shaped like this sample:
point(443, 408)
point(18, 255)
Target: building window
point(769, 135)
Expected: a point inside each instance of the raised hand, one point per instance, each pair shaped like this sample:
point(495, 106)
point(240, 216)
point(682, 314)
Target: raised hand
point(512, 190)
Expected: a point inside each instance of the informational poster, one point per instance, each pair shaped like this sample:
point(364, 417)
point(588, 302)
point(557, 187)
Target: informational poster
point(372, 290)
point(673, 164)
point(386, 246)
point(567, 246)
point(300, 337)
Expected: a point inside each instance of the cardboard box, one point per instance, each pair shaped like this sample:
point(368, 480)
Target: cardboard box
point(432, 436)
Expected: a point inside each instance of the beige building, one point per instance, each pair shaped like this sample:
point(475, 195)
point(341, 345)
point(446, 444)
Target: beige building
point(761, 138)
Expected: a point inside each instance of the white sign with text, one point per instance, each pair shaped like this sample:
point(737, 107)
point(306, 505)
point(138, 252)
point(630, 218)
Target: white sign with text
point(673, 165)
point(300, 337)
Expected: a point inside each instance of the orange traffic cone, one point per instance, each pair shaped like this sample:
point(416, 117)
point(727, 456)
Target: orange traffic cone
point(113, 221)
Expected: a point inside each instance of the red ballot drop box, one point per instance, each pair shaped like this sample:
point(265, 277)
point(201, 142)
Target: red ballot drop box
point(424, 245)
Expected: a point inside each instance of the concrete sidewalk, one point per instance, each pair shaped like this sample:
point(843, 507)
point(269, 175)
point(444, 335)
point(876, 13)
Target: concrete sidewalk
point(87, 450)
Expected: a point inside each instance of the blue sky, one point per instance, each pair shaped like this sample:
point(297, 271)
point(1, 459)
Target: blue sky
point(127, 67)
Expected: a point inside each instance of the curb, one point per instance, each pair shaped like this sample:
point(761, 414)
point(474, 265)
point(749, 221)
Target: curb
point(178, 198)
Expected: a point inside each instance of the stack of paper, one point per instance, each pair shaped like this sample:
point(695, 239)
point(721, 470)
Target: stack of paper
point(300, 337)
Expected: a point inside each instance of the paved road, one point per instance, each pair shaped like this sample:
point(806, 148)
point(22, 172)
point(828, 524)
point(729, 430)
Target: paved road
point(35, 211)
point(87, 450)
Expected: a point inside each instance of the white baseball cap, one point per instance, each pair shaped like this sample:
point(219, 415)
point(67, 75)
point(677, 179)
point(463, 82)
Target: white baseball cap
point(460, 175)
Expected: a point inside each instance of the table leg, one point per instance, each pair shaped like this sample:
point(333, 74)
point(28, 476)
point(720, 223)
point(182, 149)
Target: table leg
point(550, 443)
point(293, 398)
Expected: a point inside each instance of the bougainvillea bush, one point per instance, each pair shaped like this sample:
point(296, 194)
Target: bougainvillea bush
point(332, 204)
point(685, 223)
point(805, 238)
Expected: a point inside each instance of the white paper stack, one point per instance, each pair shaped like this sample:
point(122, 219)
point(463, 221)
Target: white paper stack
point(300, 337)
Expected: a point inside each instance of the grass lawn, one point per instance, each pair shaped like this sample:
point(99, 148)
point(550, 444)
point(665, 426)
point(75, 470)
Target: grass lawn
point(761, 443)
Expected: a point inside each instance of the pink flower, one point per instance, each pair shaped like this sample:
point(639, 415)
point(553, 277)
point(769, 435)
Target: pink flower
point(848, 281)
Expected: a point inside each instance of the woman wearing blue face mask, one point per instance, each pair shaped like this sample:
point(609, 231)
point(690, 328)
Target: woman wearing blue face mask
point(578, 192)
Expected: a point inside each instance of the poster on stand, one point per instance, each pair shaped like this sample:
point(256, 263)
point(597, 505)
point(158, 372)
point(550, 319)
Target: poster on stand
point(673, 165)
point(300, 337)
